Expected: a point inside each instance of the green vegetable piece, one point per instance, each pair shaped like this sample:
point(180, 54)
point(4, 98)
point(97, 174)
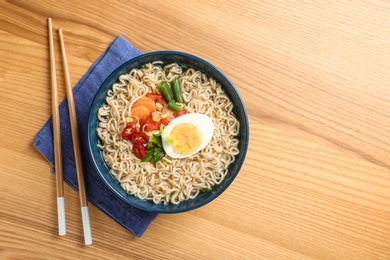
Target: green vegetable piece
point(158, 154)
point(148, 157)
point(154, 152)
point(129, 193)
point(156, 139)
point(184, 66)
point(205, 190)
point(177, 90)
point(175, 106)
point(166, 91)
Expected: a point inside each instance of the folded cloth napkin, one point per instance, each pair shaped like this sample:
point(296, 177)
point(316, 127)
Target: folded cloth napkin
point(134, 220)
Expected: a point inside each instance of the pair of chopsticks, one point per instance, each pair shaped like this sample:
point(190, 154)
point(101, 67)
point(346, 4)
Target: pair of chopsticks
point(57, 142)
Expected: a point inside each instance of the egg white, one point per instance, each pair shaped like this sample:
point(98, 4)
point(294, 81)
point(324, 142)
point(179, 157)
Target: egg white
point(203, 123)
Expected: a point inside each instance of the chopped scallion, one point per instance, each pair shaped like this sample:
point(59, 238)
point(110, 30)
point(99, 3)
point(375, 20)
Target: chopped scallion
point(176, 89)
point(166, 90)
point(175, 106)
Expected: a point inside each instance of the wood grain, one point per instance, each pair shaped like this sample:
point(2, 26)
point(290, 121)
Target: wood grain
point(314, 77)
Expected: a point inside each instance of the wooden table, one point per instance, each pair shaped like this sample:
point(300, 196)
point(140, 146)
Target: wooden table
point(315, 79)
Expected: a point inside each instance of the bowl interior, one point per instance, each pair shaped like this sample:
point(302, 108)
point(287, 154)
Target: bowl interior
point(168, 57)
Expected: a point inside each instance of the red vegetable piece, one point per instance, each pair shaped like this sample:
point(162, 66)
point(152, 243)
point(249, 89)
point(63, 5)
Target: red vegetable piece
point(151, 127)
point(139, 138)
point(128, 131)
point(157, 98)
point(139, 151)
point(146, 120)
point(164, 121)
point(180, 113)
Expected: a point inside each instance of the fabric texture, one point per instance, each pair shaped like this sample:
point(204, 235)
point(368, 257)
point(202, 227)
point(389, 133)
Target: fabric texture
point(134, 220)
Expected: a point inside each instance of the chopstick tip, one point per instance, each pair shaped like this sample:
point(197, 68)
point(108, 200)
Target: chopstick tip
point(61, 216)
point(86, 225)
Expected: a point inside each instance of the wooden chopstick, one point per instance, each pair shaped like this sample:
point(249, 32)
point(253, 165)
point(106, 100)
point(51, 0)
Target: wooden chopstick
point(56, 138)
point(76, 147)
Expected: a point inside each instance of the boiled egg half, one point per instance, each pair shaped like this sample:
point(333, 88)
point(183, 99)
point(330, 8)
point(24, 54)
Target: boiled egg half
point(187, 134)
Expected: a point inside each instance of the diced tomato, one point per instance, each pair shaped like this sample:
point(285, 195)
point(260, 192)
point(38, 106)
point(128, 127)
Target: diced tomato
point(151, 127)
point(142, 121)
point(157, 98)
point(139, 151)
point(180, 113)
point(128, 131)
point(146, 120)
point(139, 137)
point(164, 121)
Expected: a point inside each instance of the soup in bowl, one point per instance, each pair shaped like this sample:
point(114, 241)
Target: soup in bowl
point(168, 132)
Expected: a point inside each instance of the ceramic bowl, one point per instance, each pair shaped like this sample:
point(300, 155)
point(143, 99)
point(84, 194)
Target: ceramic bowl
point(190, 61)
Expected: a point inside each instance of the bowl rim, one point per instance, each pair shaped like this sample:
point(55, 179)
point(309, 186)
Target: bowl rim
point(91, 115)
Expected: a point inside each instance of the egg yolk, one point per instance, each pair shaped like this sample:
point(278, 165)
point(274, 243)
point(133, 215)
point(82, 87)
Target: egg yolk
point(186, 139)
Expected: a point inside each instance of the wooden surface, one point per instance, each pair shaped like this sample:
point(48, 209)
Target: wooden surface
point(315, 79)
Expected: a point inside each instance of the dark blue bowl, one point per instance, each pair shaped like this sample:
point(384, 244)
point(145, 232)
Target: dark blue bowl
point(191, 61)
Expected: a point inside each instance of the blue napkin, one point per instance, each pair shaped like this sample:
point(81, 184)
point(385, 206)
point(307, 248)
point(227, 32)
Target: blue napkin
point(134, 220)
